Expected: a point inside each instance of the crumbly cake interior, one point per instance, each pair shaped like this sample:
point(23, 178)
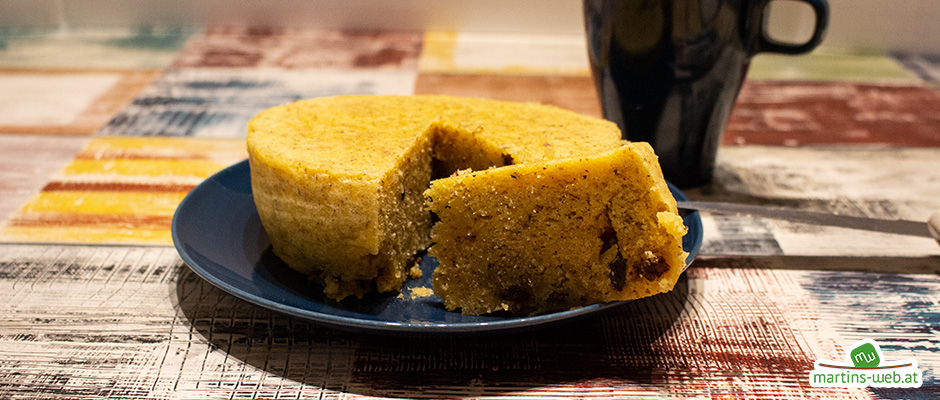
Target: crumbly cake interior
point(338, 181)
point(550, 236)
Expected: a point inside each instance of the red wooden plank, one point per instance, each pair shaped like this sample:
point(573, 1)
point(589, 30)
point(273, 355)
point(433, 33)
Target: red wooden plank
point(808, 113)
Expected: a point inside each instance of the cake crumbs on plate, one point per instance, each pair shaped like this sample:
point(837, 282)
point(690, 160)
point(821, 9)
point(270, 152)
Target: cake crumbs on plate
point(419, 292)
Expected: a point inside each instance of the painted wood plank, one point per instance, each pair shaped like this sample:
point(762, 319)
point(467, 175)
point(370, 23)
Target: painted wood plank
point(127, 322)
point(120, 190)
point(832, 64)
point(890, 183)
point(27, 163)
point(575, 93)
point(65, 101)
point(295, 48)
point(926, 66)
point(214, 102)
point(98, 48)
point(504, 53)
point(813, 113)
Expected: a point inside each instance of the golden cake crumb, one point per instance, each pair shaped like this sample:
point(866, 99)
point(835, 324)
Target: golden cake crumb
point(419, 292)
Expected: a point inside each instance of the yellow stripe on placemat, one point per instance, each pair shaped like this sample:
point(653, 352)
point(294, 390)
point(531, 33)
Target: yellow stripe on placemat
point(142, 167)
point(437, 52)
point(504, 54)
point(104, 202)
point(120, 190)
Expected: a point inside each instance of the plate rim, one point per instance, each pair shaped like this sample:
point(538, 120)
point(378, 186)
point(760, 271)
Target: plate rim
point(692, 220)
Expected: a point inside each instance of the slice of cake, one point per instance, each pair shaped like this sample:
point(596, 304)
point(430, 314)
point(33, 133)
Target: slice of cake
point(338, 182)
point(558, 234)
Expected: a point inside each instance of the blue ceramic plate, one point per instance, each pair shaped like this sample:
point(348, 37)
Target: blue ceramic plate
point(217, 232)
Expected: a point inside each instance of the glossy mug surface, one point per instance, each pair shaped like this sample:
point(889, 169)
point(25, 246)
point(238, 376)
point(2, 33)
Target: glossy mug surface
point(668, 72)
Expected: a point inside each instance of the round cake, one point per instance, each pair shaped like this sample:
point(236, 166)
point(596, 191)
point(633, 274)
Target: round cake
point(339, 184)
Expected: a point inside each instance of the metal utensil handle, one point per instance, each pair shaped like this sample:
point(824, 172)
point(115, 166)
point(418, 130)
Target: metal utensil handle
point(933, 225)
point(900, 227)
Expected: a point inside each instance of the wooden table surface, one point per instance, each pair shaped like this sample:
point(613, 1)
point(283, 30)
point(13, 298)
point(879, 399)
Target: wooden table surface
point(102, 133)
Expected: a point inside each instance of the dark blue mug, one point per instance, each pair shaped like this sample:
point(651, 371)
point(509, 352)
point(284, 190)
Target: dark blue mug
point(668, 72)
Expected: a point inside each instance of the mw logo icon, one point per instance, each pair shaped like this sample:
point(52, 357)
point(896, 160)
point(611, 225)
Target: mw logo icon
point(865, 355)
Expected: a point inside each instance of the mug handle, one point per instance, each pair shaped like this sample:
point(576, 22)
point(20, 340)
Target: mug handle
point(767, 44)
